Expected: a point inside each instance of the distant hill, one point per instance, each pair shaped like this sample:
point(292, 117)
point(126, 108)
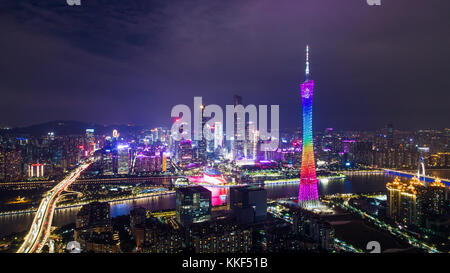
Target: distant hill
point(70, 127)
point(59, 127)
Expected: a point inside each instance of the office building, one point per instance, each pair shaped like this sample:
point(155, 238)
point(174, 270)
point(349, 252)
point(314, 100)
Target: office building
point(248, 204)
point(193, 205)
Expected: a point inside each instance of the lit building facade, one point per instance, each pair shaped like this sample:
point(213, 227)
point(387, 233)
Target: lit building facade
point(412, 203)
point(238, 145)
point(193, 205)
point(202, 143)
point(185, 152)
point(218, 135)
point(123, 159)
point(308, 194)
point(36, 170)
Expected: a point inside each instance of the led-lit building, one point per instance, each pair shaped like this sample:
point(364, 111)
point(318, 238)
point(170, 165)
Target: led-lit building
point(90, 141)
point(115, 134)
point(238, 145)
point(107, 161)
point(202, 143)
point(252, 141)
point(185, 152)
point(308, 195)
point(413, 202)
point(36, 170)
point(218, 135)
point(165, 157)
point(123, 159)
point(403, 205)
point(213, 177)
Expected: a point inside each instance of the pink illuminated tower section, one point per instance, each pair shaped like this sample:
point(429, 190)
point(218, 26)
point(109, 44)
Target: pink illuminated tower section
point(308, 196)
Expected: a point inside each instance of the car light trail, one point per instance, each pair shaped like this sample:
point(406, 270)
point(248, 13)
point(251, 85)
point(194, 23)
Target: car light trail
point(40, 228)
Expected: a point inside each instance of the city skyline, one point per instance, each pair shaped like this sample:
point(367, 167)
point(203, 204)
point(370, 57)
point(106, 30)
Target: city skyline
point(262, 127)
point(177, 50)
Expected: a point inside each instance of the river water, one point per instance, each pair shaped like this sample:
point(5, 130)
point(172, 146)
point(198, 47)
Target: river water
point(351, 184)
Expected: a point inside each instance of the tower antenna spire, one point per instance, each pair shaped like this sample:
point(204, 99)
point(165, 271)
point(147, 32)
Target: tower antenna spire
point(307, 63)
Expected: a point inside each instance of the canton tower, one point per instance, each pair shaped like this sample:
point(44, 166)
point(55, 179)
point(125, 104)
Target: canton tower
point(308, 196)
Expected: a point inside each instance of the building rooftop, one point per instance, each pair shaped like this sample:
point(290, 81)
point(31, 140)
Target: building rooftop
point(192, 190)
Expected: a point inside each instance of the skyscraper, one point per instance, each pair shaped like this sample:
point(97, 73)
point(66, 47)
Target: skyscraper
point(202, 142)
point(185, 152)
point(308, 196)
point(90, 141)
point(415, 202)
point(248, 204)
point(193, 205)
point(251, 142)
point(218, 134)
point(238, 145)
point(123, 159)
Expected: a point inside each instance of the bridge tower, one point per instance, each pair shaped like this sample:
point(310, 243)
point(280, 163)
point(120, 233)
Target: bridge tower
point(421, 165)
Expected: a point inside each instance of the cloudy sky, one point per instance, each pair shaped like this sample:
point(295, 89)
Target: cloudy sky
point(131, 61)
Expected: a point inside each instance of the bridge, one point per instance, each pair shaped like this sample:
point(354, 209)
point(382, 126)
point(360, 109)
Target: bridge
point(40, 228)
point(423, 176)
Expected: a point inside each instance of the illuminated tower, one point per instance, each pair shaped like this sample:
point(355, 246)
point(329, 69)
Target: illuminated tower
point(308, 196)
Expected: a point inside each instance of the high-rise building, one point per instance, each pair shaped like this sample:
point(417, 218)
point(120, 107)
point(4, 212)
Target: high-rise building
point(218, 134)
point(90, 141)
point(219, 236)
point(10, 165)
point(390, 136)
point(94, 230)
point(308, 194)
point(412, 203)
point(123, 159)
point(309, 225)
point(108, 159)
point(238, 145)
point(95, 214)
point(185, 152)
point(252, 141)
point(193, 205)
point(248, 204)
point(434, 197)
point(164, 161)
point(402, 201)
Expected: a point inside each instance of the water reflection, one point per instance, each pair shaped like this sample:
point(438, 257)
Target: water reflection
point(352, 184)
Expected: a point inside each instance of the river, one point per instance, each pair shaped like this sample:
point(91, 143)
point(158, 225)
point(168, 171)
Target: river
point(351, 184)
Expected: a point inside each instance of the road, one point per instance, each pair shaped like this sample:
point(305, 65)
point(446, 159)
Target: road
point(40, 228)
point(427, 177)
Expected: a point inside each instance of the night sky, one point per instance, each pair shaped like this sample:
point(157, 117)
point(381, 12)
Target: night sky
point(130, 61)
